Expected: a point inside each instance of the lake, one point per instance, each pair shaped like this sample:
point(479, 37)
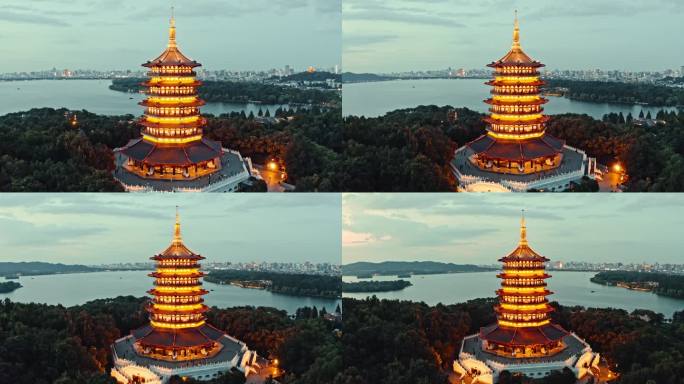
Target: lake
point(377, 98)
point(570, 288)
point(93, 96)
point(79, 288)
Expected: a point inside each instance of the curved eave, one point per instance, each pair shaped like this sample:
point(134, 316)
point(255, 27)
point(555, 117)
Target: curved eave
point(496, 83)
point(175, 104)
point(158, 275)
point(505, 276)
point(502, 64)
point(199, 311)
point(548, 309)
point(541, 101)
point(546, 292)
point(199, 123)
point(168, 83)
point(540, 120)
point(520, 286)
point(162, 257)
point(154, 292)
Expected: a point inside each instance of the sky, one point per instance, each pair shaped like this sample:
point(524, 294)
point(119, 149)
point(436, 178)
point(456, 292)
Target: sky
point(382, 36)
point(481, 228)
point(122, 34)
point(109, 228)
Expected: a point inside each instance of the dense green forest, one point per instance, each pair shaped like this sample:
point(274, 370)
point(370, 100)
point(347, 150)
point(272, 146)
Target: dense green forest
point(390, 341)
point(44, 344)
point(410, 149)
point(41, 268)
point(623, 93)
point(284, 283)
point(9, 286)
point(246, 92)
point(668, 284)
point(408, 267)
point(41, 151)
point(375, 286)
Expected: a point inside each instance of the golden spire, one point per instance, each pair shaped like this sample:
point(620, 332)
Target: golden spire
point(172, 29)
point(176, 229)
point(516, 32)
point(523, 230)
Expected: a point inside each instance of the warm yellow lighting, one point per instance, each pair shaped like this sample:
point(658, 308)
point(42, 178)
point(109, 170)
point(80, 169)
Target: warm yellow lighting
point(176, 325)
point(514, 117)
point(163, 140)
point(523, 290)
point(516, 79)
point(524, 273)
point(172, 120)
point(165, 307)
point(172, 99)
point(523, 307)
point(516, 99)
point(523, 325)
point(272, 165)
point(617, 168)
point(174, 80)
point(522, 136)
point(174, 271)
point(178, 289)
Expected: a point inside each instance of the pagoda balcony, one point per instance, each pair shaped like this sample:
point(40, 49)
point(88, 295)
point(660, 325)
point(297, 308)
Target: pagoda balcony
point(184, 73)
point(536, 101)
point(171, 92)
point(537, 121)
point(171, 83)
point(500, 292)
point(196, 300)
point(513, 83)
point(517, 109)
point(174, 284)
point(167, 111)
point(172, 103)
point(518, 276)
point(517, 300)
point(196, 124)
point(519, 284)
point(155, 292)
point(164, 275)
point(197, 311)
point(194, 257)
point(539, 311)
point(516, 91)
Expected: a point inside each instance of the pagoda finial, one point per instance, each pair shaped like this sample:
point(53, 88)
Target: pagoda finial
point(523, 229)
point(172, 28)
point(516, 32)
point(176, 229)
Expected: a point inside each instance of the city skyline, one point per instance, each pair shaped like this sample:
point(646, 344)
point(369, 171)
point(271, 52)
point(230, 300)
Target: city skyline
point(105, 35)
point(382, 36)
point(102, 229)
point(479, 229)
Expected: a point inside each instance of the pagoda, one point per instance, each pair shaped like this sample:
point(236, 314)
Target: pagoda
point(516, 152)
point(172, 154)
point(524, 340)
point(178, 340)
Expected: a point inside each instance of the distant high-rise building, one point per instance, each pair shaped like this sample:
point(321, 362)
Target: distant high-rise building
point(337, 69)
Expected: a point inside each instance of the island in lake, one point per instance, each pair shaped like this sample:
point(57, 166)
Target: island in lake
point(407, 268)
point(659, 283)
point(375, 286)
point(35, 268)
point(294, 284)
point(9, 286)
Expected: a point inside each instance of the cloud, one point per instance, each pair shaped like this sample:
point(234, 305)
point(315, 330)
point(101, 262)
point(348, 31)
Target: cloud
point(353, 239)
point(18, 17)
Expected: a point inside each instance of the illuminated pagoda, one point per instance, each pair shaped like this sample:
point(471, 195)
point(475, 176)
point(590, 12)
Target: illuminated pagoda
point(172, 154)
point(516, 154)
point(524, 341)
point(178, 340)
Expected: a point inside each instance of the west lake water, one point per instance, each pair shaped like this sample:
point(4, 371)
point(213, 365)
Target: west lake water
point(570, 288)
point(375, 99)
point(93, 96)
point(79, 288)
